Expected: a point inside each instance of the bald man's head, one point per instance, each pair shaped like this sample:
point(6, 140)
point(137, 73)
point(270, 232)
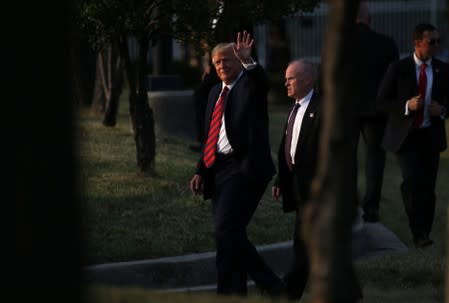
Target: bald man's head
point(300, 77)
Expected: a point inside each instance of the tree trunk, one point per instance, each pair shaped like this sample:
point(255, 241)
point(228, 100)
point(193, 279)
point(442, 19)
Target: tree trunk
point(43, 251)
point(115, 89)
point(447, 257)
point(447, 243)
point(99, 97)
point(82, 60)
point(139, 109)
point(329, 217)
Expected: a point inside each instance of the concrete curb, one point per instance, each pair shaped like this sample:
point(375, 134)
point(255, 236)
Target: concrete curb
point(196, 272)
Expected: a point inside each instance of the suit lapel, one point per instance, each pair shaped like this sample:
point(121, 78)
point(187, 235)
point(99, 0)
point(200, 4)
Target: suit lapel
point(213, 98)
point(228, 101)
point(411, 72)
point(436, 78)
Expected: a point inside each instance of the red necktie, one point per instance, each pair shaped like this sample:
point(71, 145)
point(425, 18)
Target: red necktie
point(422, 86)
point(214, 130)
point(288, 136)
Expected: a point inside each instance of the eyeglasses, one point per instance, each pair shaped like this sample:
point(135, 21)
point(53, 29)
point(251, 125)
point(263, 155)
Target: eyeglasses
point(434, 41)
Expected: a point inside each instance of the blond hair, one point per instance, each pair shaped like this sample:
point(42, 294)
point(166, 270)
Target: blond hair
point(221, 47)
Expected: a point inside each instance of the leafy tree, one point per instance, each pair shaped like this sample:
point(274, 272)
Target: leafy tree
point(202, 23)
point(110, 22)
point(208, 22)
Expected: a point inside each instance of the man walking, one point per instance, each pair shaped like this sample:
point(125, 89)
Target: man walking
point(375, 51)
point(415, 93)
point(236, 165)
point(297, 162)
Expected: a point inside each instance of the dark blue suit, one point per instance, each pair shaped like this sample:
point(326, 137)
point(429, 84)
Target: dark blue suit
point(237, 182)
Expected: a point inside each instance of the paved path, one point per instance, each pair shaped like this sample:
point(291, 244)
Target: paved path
point(196, 272)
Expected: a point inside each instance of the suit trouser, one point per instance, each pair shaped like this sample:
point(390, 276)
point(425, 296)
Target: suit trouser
point(419, 162)
point(296, 279)
point(234, 203)
point(372, 131)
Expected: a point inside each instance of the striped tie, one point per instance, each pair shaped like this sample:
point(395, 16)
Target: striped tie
point(214, 130)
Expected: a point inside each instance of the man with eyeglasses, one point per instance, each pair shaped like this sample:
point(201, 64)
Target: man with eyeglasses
point(415, 94)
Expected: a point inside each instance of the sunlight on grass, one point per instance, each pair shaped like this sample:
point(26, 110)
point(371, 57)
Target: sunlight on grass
point(128, 216)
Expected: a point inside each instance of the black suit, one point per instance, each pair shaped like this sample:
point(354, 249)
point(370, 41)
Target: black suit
point(417, 149)
point(375, 51)
point(237, 182)
point(295, 189)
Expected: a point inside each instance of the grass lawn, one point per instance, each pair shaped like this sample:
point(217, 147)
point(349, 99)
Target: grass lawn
point(128, 216)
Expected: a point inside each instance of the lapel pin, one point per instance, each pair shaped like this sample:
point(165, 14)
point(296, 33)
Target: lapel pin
point(311, 115)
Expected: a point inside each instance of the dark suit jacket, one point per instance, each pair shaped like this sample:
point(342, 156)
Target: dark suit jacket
point(246, 118)
point(295, 186)
point(374, 52)
point(398, 86)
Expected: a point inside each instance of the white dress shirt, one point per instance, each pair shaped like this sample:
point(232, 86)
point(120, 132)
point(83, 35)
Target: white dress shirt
point(304, 102)
point(223, 145)
point(428, 97)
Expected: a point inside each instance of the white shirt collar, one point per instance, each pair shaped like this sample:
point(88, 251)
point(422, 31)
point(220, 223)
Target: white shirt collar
point(306, 99)
point(418, 61)
point(230, 86)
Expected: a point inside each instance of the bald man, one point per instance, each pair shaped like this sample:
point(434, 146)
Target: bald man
point(297, 161)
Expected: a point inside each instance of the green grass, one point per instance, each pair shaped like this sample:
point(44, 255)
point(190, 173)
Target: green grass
point(129, 216)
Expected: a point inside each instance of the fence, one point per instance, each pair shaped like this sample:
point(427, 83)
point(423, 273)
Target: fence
point(305, 31)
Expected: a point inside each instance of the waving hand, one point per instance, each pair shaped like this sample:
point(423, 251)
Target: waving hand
point(243, 47)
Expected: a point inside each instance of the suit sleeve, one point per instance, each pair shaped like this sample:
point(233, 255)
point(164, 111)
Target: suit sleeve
point(446, 97)
point(388, 99)
point(259, 78)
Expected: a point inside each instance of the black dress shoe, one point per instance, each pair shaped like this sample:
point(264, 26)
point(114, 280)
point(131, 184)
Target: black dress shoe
point(422, 241)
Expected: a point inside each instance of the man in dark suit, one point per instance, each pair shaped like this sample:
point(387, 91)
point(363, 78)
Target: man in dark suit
point(375, 51)
point(297, 162)
point(415, 93)
point(236, 165)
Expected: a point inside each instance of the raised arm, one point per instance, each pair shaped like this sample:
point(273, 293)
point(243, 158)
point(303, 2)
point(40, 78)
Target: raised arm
point(243, 47)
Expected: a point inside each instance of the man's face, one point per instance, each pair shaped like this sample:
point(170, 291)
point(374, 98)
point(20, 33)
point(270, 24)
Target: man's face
point(428, 45)
point(295, 82)
point(227, 65)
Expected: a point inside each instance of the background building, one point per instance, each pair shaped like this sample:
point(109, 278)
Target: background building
point(305, 31)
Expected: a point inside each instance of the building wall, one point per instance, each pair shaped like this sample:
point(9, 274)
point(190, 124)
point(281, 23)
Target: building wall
point(394, 18)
